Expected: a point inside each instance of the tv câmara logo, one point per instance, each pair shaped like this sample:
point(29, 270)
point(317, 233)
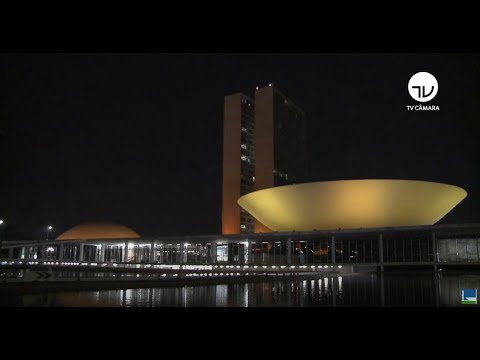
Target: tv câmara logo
point(423, 87)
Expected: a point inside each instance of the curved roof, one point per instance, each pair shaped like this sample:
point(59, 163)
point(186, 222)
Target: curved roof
point(98, 230)
point(350, 204)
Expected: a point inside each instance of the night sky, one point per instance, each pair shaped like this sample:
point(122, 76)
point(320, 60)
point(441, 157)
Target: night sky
point(137, 138)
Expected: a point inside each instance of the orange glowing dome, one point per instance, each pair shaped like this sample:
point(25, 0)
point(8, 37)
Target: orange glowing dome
point(98, 230)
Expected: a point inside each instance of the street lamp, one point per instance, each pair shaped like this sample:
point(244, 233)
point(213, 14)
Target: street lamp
point(50, 227)
point(1, 236)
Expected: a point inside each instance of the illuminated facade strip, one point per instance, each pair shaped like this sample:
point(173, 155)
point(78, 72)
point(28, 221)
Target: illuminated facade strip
point(379, 247)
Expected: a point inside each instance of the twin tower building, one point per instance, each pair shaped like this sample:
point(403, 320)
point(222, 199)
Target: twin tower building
point(264, 145)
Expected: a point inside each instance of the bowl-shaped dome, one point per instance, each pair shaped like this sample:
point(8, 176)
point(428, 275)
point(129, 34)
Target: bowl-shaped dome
point(350, 204)
point(98, 231)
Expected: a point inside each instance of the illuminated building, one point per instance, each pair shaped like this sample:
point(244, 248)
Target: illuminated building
point(350, 204)
point(348, 224)
point(263, 147)
point(352, 249)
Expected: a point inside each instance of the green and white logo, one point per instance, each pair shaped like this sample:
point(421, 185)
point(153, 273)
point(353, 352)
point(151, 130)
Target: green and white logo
point(469, 296)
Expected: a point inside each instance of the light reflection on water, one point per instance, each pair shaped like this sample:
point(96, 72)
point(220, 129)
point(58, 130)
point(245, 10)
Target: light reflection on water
point(349, 290)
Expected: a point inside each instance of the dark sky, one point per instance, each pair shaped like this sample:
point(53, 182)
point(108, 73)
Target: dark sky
point(137, 138)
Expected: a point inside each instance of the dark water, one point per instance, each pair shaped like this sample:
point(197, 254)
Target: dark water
point(349, 290)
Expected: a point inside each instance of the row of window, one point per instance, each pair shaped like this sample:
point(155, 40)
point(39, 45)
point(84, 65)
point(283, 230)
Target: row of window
point(309, 251)
point(247, 138)
point(248, 116)
point(246, 182)
point(280, 174)
point(246, 189)
point(246, 228)
point(247, 176)
point(246, 152)
point(246, 102)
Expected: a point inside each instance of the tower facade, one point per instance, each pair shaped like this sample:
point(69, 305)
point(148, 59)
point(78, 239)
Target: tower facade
point(263, 147)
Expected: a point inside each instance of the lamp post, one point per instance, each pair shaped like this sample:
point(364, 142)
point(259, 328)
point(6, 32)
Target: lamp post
point(50, 227)
point(1, 236)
